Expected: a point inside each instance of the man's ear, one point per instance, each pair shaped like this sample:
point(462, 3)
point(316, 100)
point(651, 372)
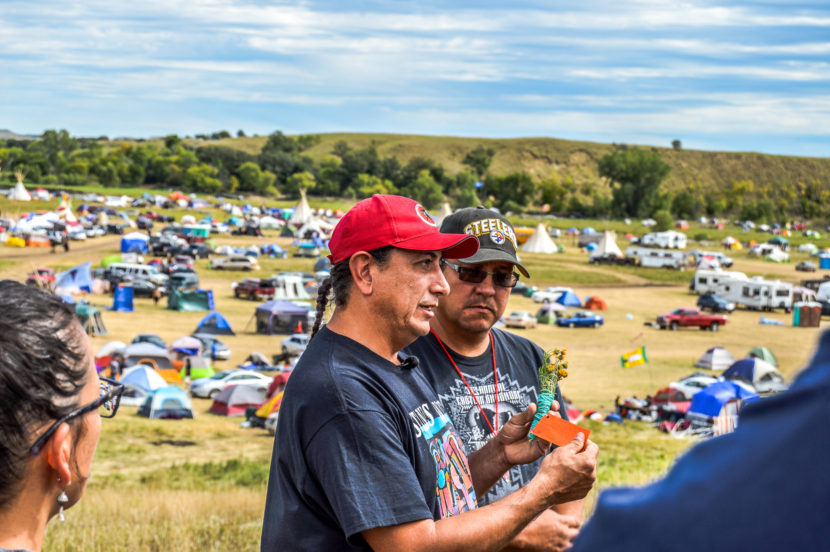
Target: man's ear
point(58, 451)
point(360, 265)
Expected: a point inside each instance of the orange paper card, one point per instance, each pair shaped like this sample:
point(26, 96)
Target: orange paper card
point(554, 429)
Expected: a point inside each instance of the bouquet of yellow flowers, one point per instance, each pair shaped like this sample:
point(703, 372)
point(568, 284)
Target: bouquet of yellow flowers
point(554, 368)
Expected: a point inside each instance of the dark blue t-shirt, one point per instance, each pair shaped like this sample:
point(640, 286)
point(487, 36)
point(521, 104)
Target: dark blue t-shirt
point(361, 443)
point(517, 363)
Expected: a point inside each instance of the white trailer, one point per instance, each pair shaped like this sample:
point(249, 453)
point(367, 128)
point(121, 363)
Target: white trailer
point(657, 258)
point(668, 239)
point(758, 294)
point(708, 281)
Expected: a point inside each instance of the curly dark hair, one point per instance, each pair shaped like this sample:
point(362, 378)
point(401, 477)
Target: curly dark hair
point(339, 284)
point(42, 371)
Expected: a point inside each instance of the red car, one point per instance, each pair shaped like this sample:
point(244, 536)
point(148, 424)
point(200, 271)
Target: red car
point(671, 398)
point(690, 317)
point(41, 277)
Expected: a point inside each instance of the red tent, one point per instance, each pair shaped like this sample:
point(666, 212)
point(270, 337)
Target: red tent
point(596, 303)
point(234, 400)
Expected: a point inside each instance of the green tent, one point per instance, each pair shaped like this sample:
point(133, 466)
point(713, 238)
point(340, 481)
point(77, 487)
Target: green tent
point(106, 261)
point(190, 301)
point(764, 354)
point(200, 367)
point(90, 318)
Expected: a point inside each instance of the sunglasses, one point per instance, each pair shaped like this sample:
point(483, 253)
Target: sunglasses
point(476, 275)
point(107, 405)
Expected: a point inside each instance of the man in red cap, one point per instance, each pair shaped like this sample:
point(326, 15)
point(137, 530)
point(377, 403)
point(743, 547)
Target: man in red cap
point(365, 456)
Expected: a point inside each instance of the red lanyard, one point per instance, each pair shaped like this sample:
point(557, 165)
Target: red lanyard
point(470, 389)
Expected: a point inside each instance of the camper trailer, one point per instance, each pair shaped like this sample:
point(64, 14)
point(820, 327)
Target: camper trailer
point(709, 281)
point(757, 293)
point(657, 258)
point(667, 240)
point(723, 260)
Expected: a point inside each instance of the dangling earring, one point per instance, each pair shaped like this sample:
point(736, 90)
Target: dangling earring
point(62, 499)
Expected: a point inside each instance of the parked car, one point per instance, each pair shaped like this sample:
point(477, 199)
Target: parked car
point(255, 289)
point(690, 317)
point(548, 295)
point(186, 281)
point(213, 347)
point(806, 266)
point(715, 303)
point(150, 338)
point(144, 288)
point(690, 385)
point(295, 344)
point(210, 387)
point(581, 319)
point(520, 319)
point(234, 262)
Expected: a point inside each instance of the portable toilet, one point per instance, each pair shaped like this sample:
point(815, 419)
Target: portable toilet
point(824, 262)
point(122, 299)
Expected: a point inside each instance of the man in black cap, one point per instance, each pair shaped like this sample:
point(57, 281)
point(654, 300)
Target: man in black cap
point(482, 375)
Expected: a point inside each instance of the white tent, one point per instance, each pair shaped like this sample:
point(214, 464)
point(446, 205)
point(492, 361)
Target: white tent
point(302, 212)
point(19, 193)
point(268, 222)
point(443, 213)
point(716, 358)
point(540, 242)
point(607, 245)
point(777, 256)
point(807, 248)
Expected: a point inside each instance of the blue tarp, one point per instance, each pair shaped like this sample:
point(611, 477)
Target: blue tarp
point(710, 400)
point(569, 299)
point(215, 324)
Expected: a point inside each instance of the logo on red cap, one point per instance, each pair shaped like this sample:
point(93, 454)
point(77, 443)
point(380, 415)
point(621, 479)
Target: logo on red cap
point(424, 216)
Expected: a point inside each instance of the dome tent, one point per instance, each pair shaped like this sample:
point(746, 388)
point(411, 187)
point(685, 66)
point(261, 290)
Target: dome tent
point(168, 403)
point(715, 358)
point(234, 400)
point(214, 324)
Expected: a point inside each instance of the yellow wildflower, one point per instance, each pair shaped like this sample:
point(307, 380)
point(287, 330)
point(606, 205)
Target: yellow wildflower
point(563, 373)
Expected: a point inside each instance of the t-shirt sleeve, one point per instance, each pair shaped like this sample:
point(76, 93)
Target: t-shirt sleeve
point(368, 478)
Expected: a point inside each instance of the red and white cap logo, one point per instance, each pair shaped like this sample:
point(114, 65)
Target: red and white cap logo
point(424, 216)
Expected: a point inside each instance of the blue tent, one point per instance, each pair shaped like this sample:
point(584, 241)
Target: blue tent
point(122, 299)
point(168, 402)
point(591, 246)
point(214, 324)
point(710, 400)
point(134, 243)
point(588, 230)
point(569, 299)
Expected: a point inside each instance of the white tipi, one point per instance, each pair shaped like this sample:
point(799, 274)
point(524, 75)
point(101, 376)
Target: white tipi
point(302, 212)
point(443, 213)
point(540, 242)
point(19, 193)
point(607, 245)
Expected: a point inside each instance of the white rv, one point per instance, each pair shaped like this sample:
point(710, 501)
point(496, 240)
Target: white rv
point(709, 281)
point(758, 293)
point(668, 240)
point(657, 258)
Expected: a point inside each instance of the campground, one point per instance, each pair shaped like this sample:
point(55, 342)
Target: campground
point(200, 484)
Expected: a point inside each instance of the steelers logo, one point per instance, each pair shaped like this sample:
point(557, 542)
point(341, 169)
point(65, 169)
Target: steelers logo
point(424, 216)
point(497, 237)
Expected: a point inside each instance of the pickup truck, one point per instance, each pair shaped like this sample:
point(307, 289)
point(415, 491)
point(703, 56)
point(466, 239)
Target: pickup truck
point(255, 289)
point(690, 317)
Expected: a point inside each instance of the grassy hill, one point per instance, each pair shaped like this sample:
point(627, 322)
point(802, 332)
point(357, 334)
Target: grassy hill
point(543, 157)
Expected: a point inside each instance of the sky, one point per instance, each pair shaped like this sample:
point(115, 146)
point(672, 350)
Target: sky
point(736, 76)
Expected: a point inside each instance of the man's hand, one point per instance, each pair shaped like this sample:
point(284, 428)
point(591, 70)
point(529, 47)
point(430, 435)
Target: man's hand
point(550, 532)
point(567, 473)
point(512, 439)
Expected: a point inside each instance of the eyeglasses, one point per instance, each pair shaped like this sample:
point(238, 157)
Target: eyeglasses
point(107, 405)
point(476, 275)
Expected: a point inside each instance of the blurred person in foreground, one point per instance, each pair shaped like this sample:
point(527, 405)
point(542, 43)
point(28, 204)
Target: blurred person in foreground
point(364, 456)
point(51, 403)
point(464, 357)
point(766, 486)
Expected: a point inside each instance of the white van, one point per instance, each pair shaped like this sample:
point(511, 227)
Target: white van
point(138, 271)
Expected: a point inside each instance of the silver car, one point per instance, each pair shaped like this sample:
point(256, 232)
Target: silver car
point(210, 387)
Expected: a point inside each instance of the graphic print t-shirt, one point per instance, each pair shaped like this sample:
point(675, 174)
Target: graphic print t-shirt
point(517, 360)
point(361, 443)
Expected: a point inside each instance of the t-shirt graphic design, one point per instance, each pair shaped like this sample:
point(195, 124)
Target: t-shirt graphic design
point(473, 429)
point(454, 483)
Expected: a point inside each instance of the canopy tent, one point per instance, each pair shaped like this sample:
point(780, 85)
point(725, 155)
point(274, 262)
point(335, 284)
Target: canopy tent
point(134, 242)
point(540, 242)
point(715, 358)
point(764, 354)
point(569, 299)
point(122, 299)
point(234, 400)
point(190, 301)
point(214, 324)
point(710, 400)
point(283, 317)
point(90, 319)
point(607, 245)
point(548, 313)
point(169, 403)
point(761, 374)
point(596, 302)
point(19, 193)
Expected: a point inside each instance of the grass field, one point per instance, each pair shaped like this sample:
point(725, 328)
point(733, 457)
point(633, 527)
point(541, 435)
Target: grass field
point(200, 484)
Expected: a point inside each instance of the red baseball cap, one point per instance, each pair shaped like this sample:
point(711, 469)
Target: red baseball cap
point(384, 220)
